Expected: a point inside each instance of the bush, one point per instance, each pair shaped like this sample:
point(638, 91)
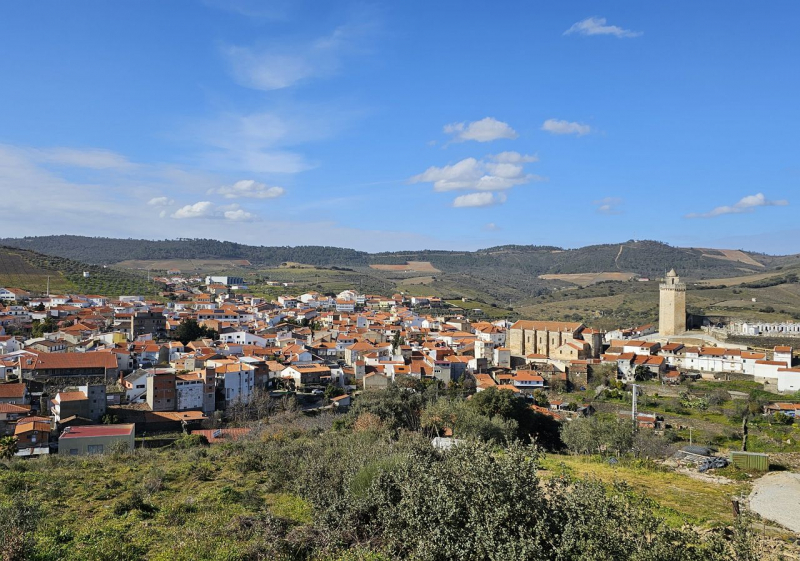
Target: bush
point(190, 441)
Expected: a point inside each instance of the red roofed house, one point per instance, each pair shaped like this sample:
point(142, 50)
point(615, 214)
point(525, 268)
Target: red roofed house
point(95, 439)
point(16, 394)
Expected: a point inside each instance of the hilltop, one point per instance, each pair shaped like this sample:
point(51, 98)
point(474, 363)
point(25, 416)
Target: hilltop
point(600, 284)
point(646, 258)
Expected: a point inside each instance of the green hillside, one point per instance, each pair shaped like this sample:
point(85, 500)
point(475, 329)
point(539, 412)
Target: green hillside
point(646, 258)
point(30, 271)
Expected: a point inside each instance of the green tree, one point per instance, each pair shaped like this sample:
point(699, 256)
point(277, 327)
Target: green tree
point(190, 330)
point(8, 447)
point(532, 425)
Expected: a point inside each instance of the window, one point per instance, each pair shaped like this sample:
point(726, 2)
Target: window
point(73, 451)
point(93, 449)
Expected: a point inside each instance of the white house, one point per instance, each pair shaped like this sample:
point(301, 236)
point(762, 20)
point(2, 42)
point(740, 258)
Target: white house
point(243, 338)
point(788, 379)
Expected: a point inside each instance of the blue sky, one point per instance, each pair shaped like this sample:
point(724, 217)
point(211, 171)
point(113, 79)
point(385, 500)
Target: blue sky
point(403, 125)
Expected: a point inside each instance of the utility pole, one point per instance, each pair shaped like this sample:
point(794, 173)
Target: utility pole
point(48, 286)
point(634, 415)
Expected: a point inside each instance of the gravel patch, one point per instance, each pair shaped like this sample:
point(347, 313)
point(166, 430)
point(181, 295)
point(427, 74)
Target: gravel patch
point(776, 497)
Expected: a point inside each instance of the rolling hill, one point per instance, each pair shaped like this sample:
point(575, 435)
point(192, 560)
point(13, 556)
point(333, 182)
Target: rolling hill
point(595, 284)
point(30, 271)
point(643, 258)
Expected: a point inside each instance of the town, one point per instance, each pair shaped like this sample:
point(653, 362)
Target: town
point(92, 372)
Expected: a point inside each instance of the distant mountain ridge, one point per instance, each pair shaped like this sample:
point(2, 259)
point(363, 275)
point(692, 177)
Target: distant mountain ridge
point(646, 258)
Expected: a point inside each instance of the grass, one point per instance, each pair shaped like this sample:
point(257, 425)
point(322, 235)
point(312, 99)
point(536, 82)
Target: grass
point(156, 504)
point(682, 499)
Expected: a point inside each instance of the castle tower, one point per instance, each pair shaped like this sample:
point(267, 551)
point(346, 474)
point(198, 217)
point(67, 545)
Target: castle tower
point(672, 305)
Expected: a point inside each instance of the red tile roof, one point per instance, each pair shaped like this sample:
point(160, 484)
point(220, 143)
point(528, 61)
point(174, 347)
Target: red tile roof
point(91, 431)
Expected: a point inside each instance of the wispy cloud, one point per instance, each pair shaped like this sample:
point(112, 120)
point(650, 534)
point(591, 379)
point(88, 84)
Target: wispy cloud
point(597, 26)
point(491, 227)
point(556, 126)
point(91, 158)
point(267, 141)
point(289, 63)
point(608, 205)
point(514, 158)
point(479, 175)
point(248, 188)
point(479, 200)
point(160, 201)
point(745, 204)
point(485, 130)
point(207, 209)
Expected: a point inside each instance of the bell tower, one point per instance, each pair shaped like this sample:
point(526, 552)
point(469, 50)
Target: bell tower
point(672, 305)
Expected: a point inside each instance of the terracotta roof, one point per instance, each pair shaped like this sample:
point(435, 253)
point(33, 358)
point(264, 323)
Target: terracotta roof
point(92, 431)
point(28, 426)
point(10, 408)
point(8, 391)
point(57, 361)
point(70, 396)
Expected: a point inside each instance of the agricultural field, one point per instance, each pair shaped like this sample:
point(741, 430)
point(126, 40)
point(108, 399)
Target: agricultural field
point(585, 279)
point(187, 266)
point(409, 266)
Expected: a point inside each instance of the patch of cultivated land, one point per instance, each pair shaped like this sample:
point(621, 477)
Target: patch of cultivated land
point(184, 265)
point(731, 255)
point(16, 272)
point(417, 280)
point(410, 266)
point(585, 279)
point(776, 497)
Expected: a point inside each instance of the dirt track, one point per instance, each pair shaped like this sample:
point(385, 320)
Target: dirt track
point(776, 497)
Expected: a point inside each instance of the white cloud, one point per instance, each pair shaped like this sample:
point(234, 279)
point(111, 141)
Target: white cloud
point(248, 188)
point(608, 205)
point(263, 142)
point(239, 215)
point(160, 201)
point(207, 209)
point(492, 227)
point(89, 158)
point(288, 63)
point(477, 175)
point(514, 158)
point(745, 204)
point(479, 200)
point(203, 209)
point(556, 126)
point(597, 26)
point(485, 130)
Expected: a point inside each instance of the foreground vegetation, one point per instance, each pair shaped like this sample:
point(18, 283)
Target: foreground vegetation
point(366, 485)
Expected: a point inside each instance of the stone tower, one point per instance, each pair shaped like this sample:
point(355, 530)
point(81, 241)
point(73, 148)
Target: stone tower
point(672, 309)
